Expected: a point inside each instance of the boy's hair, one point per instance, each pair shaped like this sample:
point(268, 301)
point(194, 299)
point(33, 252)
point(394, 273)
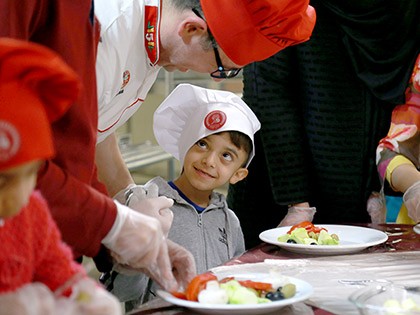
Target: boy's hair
point(242, 141)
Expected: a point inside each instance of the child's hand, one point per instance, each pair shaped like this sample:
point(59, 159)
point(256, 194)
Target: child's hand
point(31, 299)
point(92, 299)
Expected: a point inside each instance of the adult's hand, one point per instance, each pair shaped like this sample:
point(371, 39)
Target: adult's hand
point(376, 207)
point(296, 215)
point(137, 241)
point(183, 264)
point(412, 201)
point(133, 195)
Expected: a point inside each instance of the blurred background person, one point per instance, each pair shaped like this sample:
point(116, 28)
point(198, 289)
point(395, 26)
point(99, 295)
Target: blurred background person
point(324, 105)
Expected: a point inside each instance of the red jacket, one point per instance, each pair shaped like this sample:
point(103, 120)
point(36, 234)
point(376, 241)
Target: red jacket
point(32, 250)
point(78, 202)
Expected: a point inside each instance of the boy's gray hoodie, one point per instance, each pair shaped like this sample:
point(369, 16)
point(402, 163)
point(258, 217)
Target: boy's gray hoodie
point(213, 237)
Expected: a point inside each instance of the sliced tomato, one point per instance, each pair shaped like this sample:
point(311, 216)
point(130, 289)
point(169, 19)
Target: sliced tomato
point(263, 286)
point(197, 284)
point(304, 224)
point(179, 295)
point(224, 280)
point(308, 226)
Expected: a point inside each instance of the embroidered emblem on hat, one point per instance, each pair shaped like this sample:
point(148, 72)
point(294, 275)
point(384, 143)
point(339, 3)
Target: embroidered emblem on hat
point(126, 79)
point(215, 120)
point(9, 141)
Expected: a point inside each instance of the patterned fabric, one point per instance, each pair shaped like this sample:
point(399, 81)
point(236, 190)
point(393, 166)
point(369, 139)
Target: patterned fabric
point(320, 129)
point(32, 250)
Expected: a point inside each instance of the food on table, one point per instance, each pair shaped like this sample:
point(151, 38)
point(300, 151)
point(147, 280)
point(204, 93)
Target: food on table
point(206, 288)
point(308, 234)
point(394, 307)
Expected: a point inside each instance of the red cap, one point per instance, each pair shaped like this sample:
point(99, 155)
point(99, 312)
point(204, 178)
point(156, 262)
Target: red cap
point(36, 88)
point(253, 30)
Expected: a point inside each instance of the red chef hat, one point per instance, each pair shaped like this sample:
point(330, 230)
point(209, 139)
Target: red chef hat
point(253, 30)
point(36, 88)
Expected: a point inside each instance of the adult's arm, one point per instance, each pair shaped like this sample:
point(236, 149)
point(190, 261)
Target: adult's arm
point(112, 170)
point(69, 182)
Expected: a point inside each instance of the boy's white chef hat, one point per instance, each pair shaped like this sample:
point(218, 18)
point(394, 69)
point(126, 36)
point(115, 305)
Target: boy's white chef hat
point(190, 113)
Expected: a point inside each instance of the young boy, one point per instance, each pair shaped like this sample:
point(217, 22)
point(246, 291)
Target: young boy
point(211, 133)
point(38, 275)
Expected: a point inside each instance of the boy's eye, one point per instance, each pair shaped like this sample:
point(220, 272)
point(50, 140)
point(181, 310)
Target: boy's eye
point(201, 144)
point(227, 156)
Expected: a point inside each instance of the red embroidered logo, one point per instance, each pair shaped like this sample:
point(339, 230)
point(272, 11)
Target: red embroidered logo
point(215, 120)
point(9, 141)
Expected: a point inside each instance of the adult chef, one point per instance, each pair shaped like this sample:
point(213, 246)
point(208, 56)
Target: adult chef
point(218, 37)
point(90, 222)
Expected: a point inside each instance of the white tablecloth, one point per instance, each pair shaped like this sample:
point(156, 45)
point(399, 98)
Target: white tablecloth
point(332, 277)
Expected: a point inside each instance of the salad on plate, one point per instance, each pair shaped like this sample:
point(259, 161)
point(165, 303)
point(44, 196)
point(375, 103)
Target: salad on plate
point(207, 288)
point(308, 234)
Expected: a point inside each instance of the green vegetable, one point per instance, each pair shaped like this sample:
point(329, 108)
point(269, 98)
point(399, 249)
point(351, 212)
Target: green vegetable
point(325, 239)
point(301, 236)
point(288, 290)
point(394, 307)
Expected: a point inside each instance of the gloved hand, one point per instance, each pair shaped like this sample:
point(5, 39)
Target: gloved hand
point(137, 240)
point(32, 299)
point(296, 215)
point(92, 299)
point(133, 196)
point(183, 267)
point(411, 200)
point(376, 207)
point(183, 264)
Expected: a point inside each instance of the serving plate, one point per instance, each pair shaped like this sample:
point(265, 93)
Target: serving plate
point(416, 228)
point(303, 291)
point(352, 239)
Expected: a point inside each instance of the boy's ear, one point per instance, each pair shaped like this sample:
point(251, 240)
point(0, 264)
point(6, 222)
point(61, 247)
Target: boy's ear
point(191, 26)
point(239, 175)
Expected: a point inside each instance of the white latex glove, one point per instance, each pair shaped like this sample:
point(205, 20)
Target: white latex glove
point(376, 207)
point(137, 241)
point(32, 299)
point(183, 264)
point(92, 299)
point(133, 196)
point(411, 200)
point(183, 267)
point(296, 215)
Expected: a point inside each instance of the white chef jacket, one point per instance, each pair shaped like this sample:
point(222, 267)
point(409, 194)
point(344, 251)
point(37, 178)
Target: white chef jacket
point(126, 65)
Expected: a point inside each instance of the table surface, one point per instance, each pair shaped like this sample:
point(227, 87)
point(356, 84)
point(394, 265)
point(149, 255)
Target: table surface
point(401, 239)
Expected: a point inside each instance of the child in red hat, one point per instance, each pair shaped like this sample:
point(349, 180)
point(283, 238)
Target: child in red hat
point(37, 272)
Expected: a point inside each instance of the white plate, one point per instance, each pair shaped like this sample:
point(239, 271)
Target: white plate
point(303, 291)
point(352, 239)
point(416, 228)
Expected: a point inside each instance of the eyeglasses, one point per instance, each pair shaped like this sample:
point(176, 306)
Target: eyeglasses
point(221, 72)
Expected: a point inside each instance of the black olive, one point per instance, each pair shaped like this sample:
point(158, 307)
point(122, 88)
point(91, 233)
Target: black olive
point(274, 296)
point(291, 241)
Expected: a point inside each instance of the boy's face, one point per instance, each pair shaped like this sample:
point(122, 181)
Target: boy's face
point(213, 161)
point(16, 186)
